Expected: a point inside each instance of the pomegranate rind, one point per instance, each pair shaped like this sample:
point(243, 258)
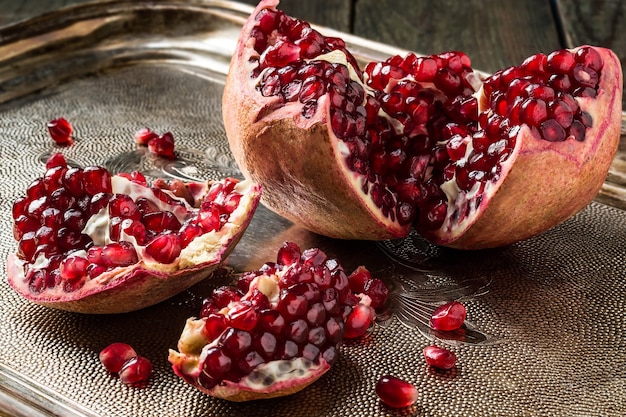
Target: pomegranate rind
point(299, 161)
point(147, 283)
point(546, 182)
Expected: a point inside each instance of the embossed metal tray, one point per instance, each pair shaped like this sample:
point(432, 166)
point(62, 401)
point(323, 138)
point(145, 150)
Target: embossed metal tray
point(546, 328)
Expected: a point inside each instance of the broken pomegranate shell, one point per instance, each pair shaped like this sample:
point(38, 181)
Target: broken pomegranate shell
point(273, 333)
point(93, 242)
point(420, 142)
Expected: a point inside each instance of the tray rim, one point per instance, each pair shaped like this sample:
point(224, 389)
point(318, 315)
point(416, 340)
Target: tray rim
point(36, 399)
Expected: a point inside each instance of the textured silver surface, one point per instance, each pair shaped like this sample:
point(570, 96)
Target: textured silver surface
point(547, 334)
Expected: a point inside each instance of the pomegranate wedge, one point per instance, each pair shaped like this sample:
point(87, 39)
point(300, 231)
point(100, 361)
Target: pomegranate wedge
point(93, 242)
point(274, 333)
point(423, 142)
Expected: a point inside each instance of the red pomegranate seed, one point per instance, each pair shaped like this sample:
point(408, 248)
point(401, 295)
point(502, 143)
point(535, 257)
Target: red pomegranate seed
point(55, 160)
point(439, 357)
point(144, 135)
point(395, 392)
point(136, 371)
point(377, 292)
point(165, 248)
point(61, 131)
point(358, 321)
point(163, 145)
point(114, 356)
point(449, 316)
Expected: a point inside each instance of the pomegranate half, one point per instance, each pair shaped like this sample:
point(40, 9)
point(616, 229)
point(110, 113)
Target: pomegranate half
point(92, 242)
point(274, 333)
point(424, 142)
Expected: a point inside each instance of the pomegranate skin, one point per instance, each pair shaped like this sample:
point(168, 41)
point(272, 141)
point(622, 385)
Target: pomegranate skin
point(549, 182)
point(302, 166)
point(297, 160)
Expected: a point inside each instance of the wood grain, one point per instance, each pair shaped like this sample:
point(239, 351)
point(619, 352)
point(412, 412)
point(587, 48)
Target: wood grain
point(494, 33)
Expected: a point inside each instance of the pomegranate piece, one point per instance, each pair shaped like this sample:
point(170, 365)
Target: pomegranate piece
point(274, 334)
point(395, 392)
point(418, 142)
point(449, 316)
point(439, 357)
point(114, 356)
point(92, 242)
point(61, 131)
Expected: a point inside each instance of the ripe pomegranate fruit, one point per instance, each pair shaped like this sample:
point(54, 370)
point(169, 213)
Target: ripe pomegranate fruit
point(424, 142)
point(396, 392)
point(273, 333)
point(93, 242)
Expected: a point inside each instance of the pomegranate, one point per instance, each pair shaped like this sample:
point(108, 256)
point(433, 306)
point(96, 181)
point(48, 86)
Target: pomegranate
point(425, 142)
point(396, 392)
point(93, 242)
point(273, 333)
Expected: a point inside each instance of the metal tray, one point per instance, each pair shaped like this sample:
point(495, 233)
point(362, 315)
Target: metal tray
point(546, 327)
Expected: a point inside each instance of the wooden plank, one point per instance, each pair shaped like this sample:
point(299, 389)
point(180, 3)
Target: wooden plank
point(494, 33)
point(331, 13)
point(598, 23)
point(12, 10)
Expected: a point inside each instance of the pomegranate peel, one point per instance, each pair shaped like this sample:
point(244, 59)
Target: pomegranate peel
point(112, 262)
point(418, 142)
point(273, 333)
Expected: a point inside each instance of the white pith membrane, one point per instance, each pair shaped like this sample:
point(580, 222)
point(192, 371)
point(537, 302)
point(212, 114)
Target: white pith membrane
point(267, 380)
point(203, 251)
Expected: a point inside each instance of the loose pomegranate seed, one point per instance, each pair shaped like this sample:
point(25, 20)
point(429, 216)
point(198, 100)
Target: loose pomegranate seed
point(439, 357)
point(163, 145)
point(449, 316)
point(359, 320)
point(61, 131)
point(144, 135)
point(136, 372)
point(114, 356)
point(395, 392)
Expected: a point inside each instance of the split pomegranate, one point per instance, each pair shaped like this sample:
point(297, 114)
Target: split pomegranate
point(93, 242)
point(275, 332)
point(396, 392)
point(423, 142)
point(449, 316)
point(61, 131)
point(439, 357)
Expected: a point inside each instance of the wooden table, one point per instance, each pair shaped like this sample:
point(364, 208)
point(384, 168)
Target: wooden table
point(494, 33)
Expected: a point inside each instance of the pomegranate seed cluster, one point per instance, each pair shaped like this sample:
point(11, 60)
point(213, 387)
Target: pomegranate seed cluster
point(411, 126)
point(295, 310)
point(542, 92)
point(75, 224)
